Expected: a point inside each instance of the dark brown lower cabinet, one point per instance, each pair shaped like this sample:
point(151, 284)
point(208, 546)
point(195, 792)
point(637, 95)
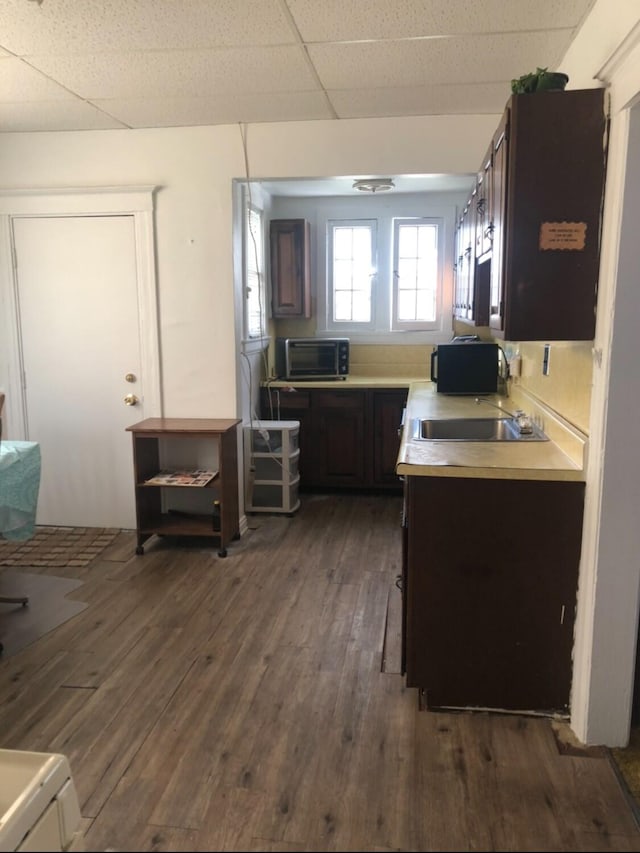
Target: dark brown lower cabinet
point(338, 439)
point(349, 438)
point(490, 579)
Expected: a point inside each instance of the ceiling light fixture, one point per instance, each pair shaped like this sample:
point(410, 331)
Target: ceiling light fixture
point(373, 185)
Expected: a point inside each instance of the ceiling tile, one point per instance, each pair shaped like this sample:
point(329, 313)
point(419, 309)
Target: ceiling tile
point(226, 109)
point(96, 26)
point(459, 59)
point(194, 73)
point(345, 20)
point(50, 115)
point(20, 82)
point(476, 98)
point(175, 62)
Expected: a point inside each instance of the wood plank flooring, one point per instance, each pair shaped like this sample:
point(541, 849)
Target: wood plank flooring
point(255, 703)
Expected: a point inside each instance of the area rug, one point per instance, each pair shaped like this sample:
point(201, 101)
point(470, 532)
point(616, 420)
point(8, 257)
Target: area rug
point(627, 762)
point(46, 609)
point(57, 547)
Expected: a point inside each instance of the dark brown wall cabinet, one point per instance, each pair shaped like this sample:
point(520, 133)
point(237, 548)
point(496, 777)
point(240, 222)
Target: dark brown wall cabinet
point(490, 574)
point(472, 239)
point(535, 216)
point(290, 268)
point(349, 438)
point(555, 144)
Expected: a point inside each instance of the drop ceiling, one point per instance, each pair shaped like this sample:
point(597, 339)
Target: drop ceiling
point(99, 64)
point(73, 65)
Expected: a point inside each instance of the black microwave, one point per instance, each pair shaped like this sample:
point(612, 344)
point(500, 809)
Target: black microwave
point(466, 367)
point(312, 358)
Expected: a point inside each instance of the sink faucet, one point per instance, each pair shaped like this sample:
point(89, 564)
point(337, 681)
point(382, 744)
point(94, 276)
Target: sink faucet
point(516, 414)
point(522, 420)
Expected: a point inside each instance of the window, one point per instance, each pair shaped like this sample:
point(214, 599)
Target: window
point(384, 275)
point(351, 250)
point(415, 273)
point(254, 273)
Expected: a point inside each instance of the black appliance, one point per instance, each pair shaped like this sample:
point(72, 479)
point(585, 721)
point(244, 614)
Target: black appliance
point(312, 358)
point(466, 367)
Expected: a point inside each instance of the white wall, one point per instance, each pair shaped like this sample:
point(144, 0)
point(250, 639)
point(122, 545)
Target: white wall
point(194, 169)
point(607, 51)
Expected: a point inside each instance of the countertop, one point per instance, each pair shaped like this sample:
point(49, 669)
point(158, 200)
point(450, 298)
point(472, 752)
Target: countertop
point(560, 458)
point(353, 381)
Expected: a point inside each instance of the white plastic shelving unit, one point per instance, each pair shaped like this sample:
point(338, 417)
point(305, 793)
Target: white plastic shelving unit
point(271, 454)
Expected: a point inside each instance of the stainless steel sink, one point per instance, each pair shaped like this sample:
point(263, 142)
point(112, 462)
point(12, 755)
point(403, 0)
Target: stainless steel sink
point(476, 429)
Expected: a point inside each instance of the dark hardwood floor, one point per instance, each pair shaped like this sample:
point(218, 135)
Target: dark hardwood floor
point(255, 703)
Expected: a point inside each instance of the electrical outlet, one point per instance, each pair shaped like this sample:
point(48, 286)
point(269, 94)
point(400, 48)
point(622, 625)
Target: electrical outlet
point(545, 360)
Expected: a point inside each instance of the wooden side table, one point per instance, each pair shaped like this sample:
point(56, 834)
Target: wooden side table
point(151, 515)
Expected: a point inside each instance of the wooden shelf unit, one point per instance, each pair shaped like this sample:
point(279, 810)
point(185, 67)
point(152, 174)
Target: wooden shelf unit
point(151, 519)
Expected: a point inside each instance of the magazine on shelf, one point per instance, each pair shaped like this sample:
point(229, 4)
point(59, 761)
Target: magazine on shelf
point(197, 477)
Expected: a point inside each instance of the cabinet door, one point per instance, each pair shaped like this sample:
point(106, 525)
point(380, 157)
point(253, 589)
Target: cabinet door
point(492, 583)
point(290, 269)
point(388, 409)
point(549, 189)
point(498, 210)
point(484, 205)
point(339, 447)
point(465, 261)
point(472, 283)
point(460, 292)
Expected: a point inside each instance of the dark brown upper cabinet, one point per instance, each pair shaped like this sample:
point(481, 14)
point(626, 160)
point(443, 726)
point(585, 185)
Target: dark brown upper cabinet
point(471, 302)
point(548, 175)
point(290, 268)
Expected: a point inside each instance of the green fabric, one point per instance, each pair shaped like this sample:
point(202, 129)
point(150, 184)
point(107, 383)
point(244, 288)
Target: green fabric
point(19, 486)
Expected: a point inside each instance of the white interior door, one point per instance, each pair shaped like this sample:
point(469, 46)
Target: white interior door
point(79, 330)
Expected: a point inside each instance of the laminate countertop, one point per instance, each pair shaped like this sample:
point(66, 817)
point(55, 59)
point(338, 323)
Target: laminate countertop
point(560, 458)
point(353, 381)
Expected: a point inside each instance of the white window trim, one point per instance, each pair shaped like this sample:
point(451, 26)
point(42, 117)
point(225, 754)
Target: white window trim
point(441, 330)
point(420, 326)
point(258, 344)
point(341, 327)
point(248, 247)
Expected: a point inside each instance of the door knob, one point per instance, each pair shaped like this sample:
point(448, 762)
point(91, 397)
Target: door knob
point(131, 400)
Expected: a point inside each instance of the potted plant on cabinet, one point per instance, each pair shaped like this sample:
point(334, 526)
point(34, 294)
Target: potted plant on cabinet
point(540, 80)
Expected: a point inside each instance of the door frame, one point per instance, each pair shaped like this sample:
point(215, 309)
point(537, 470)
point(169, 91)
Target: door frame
point(135, 201)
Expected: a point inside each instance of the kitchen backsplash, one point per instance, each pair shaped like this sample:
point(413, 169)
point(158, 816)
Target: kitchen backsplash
point(389, 360)
point(566, 389)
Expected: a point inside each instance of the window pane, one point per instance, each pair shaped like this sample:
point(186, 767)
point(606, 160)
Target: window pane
point(352, 247)
point(342, 275)
point(416, 257)
point(342, 243)
point(406, 305)
point(427, 235)
point(407, 245)
point(254, 283)
point(342, 303)
point(361, 307)
point(362, 244)
point(426, 305)
point(407, 273)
